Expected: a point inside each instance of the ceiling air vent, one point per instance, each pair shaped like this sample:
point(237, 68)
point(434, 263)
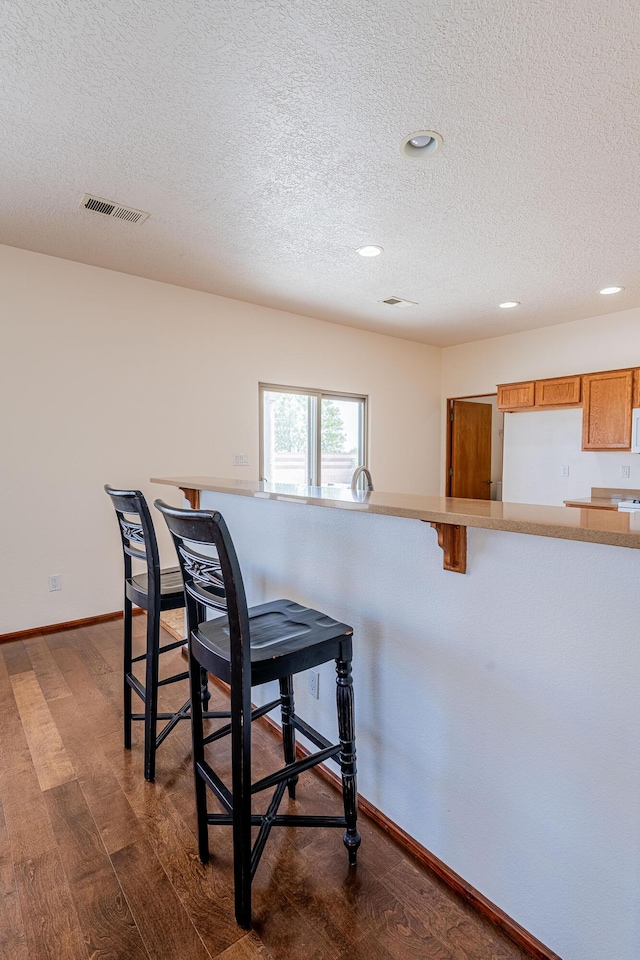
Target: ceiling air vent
point(110, 209)
point(399, 302)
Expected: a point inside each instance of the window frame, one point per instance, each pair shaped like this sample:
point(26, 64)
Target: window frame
point(314, 453)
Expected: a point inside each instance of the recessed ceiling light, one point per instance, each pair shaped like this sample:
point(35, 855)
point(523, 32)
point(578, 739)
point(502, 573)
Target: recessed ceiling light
point(371, 250)
point(509, 303)
point(421, 144)
point(607, 290)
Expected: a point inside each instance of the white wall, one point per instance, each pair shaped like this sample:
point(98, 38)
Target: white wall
point(112, 378)
point(598, 343)
point(539, 444)
point(497, 713)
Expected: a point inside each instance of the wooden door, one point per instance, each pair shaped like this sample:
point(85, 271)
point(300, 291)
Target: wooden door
point(470, 450)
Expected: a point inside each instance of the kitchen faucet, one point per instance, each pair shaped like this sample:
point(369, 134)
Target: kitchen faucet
point(361, 472)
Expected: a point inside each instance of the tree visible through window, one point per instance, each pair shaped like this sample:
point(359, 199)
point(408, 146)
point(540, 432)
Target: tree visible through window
point(333, 433)
point(311, 437)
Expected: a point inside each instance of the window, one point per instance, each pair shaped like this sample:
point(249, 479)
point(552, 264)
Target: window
point(311, 437)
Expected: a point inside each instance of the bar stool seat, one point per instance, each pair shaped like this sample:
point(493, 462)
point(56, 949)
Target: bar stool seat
point(286, 638)
point(245, 647)
point(171, 589)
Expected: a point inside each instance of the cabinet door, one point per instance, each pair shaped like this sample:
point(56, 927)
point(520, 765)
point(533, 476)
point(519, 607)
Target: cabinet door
point(606, 417)
point(558, 392)
point(516, 396)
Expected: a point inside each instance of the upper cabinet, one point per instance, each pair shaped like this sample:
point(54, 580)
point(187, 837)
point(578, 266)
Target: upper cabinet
point(607, 399)
point(516, 396)
point(559, 392)
point(531, 394)
point(606, 418)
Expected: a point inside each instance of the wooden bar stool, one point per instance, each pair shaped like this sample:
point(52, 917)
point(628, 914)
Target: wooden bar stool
point(153, 590)
point(245, 648)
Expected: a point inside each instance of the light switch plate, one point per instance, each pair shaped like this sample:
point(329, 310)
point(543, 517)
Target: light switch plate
point(241, 459)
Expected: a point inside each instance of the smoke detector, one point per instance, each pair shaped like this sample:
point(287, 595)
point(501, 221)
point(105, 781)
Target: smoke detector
point(399, 302)
point(108, 208)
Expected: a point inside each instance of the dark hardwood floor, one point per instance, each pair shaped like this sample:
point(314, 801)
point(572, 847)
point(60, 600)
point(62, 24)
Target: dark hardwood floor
point(96, 863)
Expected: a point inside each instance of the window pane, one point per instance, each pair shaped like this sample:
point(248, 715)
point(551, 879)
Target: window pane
point(286, 437)
point(341, 440)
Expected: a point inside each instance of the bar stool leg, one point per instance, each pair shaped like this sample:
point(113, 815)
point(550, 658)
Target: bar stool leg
point(151, 694)
point(241, 781)
point(288, 730)
point(347, 755)
point(128, 644)
point(205, 693)
point(197, 737)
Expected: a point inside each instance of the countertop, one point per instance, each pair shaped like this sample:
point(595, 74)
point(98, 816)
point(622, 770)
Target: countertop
point(603, 498)
point(566, 523)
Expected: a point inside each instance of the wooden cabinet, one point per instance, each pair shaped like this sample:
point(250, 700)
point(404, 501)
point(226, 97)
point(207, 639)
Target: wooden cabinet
point(558, 392)
point(636, 388)
point(606, 418)
point(516, 396)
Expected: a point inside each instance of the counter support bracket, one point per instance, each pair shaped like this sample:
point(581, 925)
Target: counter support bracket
point(453, 539)
point(193, 496)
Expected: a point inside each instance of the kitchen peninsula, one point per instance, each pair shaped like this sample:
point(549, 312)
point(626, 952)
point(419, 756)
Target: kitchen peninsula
point(498, 717)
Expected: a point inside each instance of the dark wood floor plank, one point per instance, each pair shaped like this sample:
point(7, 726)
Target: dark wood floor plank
point(13, 943)
point(51, 924)
point(104, 915)
point(82, 640)
point(50, 759)
point(250, 947)
point(397, 939)
point(48, 674)
point(466, 934)
point(27, 823)
point(343, 901)
point(108, 638)
point(166, 929)
point(16, 657)
point(204, 891)
point(101, 715)
point(107, 802)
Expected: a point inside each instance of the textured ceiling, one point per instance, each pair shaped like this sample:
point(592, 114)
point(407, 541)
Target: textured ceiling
point(263, 138)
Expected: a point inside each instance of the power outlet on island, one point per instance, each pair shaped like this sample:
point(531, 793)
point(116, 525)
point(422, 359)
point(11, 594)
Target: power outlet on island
point(313, 680)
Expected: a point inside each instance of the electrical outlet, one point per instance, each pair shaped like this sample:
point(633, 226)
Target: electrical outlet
point(241, 459)
point(313, 679)
point(55, 582)
point(565, 471)
point(625, 472)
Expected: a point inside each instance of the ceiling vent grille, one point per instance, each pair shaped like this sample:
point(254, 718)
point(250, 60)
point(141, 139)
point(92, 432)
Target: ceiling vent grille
point(110, 209)
point(399, 302)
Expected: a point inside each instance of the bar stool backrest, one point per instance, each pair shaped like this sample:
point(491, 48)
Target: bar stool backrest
point(137, 534)
point(213, 583)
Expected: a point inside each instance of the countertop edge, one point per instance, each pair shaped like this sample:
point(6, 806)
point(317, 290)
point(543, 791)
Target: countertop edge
point(611, 528)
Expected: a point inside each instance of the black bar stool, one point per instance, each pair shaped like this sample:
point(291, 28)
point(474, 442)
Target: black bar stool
point(154, 590)
point(245, 648)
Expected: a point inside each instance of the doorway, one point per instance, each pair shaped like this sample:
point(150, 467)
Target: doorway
point(475, 430)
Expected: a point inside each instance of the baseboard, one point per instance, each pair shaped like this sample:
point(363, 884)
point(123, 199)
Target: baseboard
point(67, 625)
